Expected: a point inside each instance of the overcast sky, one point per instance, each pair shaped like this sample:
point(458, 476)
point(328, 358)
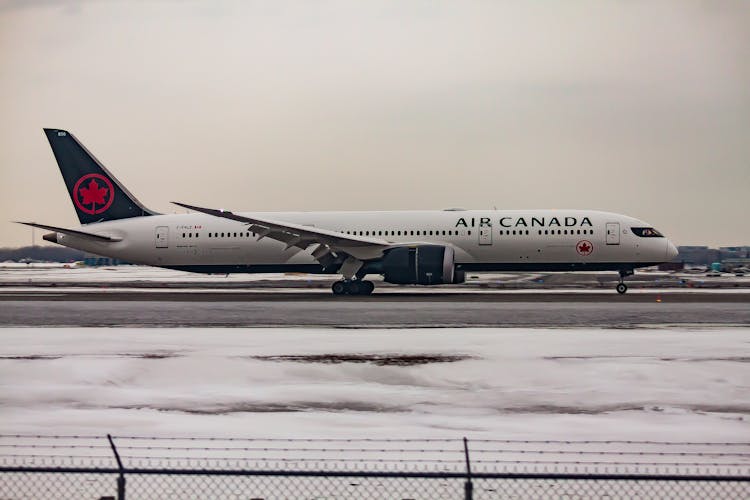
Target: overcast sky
point(637, 107)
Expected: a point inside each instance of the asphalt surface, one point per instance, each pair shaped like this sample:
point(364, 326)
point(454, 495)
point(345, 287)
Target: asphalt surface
point(392, 310)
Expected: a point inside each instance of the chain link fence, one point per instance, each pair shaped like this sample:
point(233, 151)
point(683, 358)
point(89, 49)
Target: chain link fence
point(75, 467)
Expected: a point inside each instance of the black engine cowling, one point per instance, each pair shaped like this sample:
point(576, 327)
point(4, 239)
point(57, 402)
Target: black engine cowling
point(420, 265)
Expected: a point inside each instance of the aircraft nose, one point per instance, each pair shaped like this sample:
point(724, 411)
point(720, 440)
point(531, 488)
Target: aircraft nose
point(671, 251)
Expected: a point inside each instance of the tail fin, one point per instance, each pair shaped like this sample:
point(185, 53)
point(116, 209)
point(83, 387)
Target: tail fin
point(96, 194)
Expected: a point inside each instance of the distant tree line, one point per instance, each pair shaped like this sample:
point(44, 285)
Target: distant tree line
point(43, 254)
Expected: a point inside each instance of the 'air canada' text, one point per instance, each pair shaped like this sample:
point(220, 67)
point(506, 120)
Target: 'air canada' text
point(525, 222)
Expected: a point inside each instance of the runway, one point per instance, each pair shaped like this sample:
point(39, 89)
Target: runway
point(232, 308)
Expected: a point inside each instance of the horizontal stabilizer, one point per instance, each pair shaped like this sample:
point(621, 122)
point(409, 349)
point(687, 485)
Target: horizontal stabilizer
point(72, 232)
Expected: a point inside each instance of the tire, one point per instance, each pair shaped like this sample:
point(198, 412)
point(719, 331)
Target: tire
point(339, 288)
point(621, 288)
point(367, 287)
point(354, 288)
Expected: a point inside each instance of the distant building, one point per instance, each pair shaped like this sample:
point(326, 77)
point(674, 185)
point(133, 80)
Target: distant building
point(742, 252)
point(671, 266)
point(728, 257)
point(92, 260)
point(697, 255)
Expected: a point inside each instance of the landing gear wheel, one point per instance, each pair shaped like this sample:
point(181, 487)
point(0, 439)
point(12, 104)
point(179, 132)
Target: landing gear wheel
point(353, 288)
point(367, 287)
point(622, 288)
point(339, 288)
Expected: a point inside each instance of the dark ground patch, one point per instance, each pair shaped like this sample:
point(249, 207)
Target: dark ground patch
point(31, 357)
point(291, 407)
point(376, 359)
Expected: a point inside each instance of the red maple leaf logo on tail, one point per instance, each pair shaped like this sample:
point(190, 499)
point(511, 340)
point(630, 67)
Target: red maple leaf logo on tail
point(93, 194)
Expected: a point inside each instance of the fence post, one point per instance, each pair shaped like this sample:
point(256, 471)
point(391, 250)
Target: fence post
point(468, 485)
point(121, 477)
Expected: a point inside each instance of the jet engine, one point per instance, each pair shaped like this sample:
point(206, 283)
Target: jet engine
point(420, 265)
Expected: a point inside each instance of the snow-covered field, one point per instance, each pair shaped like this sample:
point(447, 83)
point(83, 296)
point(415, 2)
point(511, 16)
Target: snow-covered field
point(676, 385)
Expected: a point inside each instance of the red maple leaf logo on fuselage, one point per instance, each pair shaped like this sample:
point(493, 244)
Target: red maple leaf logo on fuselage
point(584, 247)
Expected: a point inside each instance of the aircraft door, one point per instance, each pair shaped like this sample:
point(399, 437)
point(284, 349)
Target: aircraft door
point(485, 235)
point(162, 237)
point(613, 233)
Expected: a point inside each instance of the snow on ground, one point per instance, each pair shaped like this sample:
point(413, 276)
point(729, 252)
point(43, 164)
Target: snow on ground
point(71, 273)
point(678, 385)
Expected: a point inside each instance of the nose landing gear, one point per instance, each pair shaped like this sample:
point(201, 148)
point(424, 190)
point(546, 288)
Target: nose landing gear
point(353, 287)
point(621, 286)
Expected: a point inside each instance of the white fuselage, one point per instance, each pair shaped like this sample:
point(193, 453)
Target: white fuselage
point(483, 240)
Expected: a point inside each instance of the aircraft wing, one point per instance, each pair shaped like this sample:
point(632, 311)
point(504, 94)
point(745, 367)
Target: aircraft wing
point(330, 243)
point(72, 232)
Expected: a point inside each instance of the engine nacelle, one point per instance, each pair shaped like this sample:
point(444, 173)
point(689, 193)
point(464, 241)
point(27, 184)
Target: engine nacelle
point(420, 265)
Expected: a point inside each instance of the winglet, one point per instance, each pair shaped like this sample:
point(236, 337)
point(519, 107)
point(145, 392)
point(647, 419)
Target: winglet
point(200, 209)
point(213, 211)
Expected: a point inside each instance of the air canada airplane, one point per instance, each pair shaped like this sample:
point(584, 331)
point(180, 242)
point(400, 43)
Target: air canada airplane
point(405, 247)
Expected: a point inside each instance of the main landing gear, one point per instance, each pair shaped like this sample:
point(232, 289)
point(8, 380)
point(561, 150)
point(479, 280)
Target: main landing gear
point(353, 287)
point(621, 286)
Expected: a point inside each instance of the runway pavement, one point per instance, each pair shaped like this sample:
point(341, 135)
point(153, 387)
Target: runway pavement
point(201, 308)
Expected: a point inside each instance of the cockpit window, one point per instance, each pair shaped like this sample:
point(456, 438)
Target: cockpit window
point(646, 232)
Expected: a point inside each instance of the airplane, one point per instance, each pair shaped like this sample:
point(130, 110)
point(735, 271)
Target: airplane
point(430, 247)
